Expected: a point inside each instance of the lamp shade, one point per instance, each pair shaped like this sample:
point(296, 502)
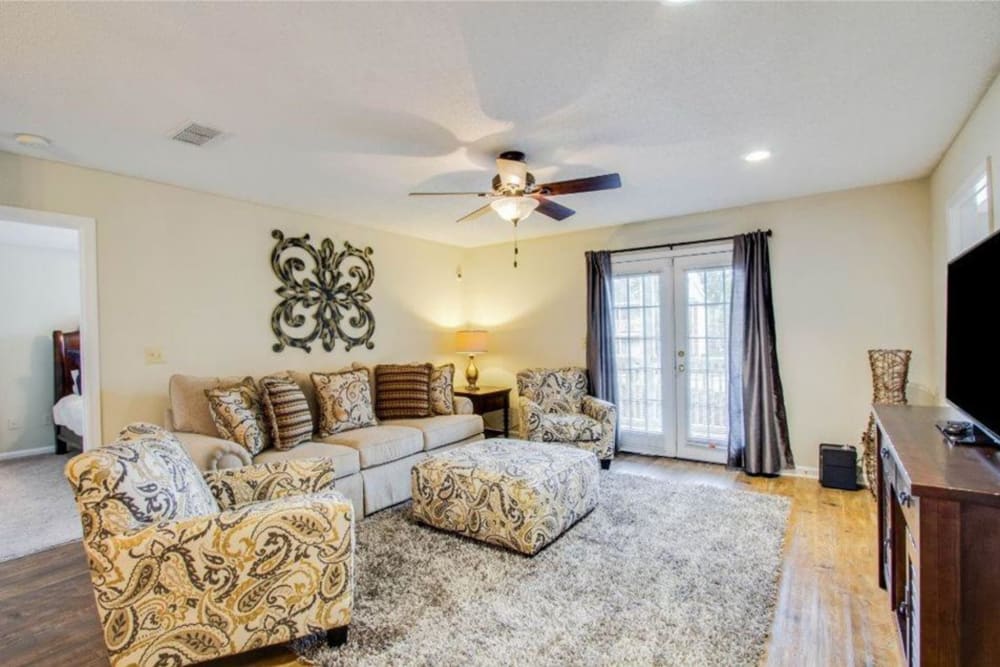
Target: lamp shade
point(471, 341)
point(514, 208)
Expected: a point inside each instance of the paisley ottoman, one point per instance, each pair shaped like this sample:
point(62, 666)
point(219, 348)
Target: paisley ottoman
point(513, 493)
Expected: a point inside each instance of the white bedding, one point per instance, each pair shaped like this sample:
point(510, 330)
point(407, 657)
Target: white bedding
point(68, 412)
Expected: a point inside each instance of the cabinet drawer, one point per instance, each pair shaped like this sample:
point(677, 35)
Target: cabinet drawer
point(897, 488)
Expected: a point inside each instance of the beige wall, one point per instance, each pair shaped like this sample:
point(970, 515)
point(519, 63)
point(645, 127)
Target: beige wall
point(849, 274)
point(39, 293)
point(979, 139)
point(190, 272)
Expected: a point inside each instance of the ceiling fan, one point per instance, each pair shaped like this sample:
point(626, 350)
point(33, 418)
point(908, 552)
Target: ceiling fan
point(515, 195)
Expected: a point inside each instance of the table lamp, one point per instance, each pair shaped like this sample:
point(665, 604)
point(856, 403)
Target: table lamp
point(471, 342)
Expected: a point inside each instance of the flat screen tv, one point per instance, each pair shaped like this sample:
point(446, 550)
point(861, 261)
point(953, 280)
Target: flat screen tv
point(972, 371)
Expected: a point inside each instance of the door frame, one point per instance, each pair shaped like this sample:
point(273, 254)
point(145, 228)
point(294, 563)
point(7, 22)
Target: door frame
point(661, 260)
point(90, 357)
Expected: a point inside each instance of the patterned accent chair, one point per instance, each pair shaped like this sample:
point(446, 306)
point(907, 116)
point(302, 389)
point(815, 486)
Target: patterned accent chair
point(554, 407)
point(188, 567)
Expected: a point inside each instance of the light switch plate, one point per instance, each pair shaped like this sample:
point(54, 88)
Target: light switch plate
point(154, 355)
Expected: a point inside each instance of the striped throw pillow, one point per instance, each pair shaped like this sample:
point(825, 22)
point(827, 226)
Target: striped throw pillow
point(403, 390)
point(286, 412)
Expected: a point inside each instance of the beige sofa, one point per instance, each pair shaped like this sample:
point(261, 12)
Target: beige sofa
point(372, 464)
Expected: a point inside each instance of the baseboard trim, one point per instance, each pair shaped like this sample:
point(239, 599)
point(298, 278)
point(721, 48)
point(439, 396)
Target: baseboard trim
point(802, 471)
point(22, 453)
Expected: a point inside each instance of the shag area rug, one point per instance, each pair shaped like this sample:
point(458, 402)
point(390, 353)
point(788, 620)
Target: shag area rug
point(659, 573)
point(38, 507)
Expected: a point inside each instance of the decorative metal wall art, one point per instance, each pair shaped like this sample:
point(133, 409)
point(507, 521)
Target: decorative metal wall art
point(328, 302)
point(890, 369)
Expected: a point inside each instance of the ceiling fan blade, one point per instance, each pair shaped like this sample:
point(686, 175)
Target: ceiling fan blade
point(483, 210)
point(451, 194)
point(589, 184)
point(552, 209)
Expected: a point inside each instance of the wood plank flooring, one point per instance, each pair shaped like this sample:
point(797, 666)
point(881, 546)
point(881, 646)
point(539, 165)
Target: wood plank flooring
point(830, 610)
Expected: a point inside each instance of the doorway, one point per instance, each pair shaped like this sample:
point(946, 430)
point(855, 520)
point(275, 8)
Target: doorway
point(671, 325)
point(89, 341)
point(51, 372)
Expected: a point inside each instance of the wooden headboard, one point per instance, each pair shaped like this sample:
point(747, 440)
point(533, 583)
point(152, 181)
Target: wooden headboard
point(66, 357)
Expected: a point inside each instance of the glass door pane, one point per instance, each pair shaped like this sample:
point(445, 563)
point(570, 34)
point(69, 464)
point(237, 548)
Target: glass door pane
point(703, 300)
point(645, 388)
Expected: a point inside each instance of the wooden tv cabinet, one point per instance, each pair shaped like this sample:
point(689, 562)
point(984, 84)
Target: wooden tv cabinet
point(939, 539)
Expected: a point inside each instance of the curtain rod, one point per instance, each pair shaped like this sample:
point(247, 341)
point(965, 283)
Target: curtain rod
point(678, 244)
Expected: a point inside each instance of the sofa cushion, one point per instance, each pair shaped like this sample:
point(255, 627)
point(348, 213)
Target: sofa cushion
point(345, 401)
point(443, 390)
point(380, 444)
point(443, 430)
point(554, 389)
point(345, 459)
point(189, 404)
point(569, 428)
point(238, 416)
point(403, 390)
point(286, 412)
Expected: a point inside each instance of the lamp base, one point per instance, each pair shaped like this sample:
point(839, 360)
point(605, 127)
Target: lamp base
point(472, 374)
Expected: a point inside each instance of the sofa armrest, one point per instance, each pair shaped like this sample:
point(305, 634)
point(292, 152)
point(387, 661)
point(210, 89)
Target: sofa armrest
point(236, 487)
point(210, 453)
point(531, 419)
point(607, 414)
point(463, 406)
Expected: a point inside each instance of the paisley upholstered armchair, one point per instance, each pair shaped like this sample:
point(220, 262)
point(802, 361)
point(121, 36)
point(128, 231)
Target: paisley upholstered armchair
point(187, 567)
point(554, 407)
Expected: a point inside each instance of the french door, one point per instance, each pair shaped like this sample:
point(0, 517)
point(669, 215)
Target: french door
point(672, 353)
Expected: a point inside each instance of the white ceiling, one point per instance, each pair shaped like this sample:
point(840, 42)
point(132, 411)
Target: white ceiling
point(341, 109)
point(38, 236)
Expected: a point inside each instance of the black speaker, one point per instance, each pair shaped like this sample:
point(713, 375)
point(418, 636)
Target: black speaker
point(838, 467)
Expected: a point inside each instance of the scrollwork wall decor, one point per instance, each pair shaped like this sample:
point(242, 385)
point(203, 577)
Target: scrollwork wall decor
point(328, 302)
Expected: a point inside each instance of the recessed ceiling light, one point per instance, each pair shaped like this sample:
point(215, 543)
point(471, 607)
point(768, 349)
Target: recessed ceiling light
point(757, 156)
point(32, 140)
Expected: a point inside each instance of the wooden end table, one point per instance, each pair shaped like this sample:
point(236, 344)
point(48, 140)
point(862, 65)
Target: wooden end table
point(488, 399)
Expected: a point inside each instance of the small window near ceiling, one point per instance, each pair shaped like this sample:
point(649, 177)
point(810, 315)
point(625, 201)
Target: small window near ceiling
point(970, 212)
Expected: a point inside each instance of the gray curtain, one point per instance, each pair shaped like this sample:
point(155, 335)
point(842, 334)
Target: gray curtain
point(758, 425)
point(600, 326)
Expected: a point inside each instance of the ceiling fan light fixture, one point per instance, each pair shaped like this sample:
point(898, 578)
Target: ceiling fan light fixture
point(514, 209)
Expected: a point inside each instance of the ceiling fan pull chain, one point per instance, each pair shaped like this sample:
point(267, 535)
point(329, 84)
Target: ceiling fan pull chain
point(515, 244)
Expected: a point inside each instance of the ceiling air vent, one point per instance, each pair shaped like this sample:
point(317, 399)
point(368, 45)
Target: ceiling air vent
point(197, 135)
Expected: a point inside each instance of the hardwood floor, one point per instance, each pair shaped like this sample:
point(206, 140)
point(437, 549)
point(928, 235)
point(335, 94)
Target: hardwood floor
point(830, 610)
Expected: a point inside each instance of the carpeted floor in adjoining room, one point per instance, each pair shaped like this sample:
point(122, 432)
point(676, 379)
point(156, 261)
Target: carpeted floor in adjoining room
point(658, 573)
point(37, 510)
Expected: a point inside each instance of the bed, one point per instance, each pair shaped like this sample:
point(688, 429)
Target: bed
point(68, 410)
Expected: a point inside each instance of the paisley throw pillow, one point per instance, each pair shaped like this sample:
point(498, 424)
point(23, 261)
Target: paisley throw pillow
point(345, 401)
point(443, 390)
point(237, 414)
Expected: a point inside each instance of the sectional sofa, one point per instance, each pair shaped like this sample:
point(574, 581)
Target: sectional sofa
point(372, 464)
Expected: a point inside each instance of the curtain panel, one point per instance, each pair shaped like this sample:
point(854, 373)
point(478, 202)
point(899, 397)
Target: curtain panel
point(600, 326)
point(758, 425)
